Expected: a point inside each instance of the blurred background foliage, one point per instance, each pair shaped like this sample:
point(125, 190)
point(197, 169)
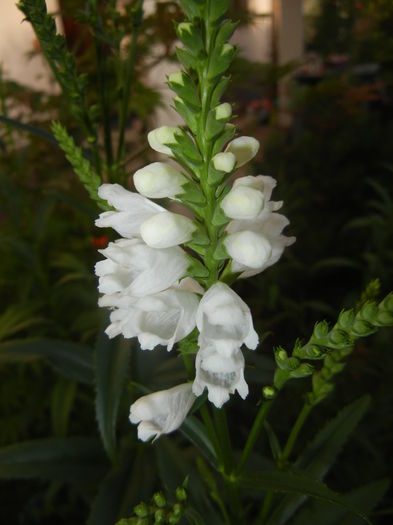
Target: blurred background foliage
point(334, 167)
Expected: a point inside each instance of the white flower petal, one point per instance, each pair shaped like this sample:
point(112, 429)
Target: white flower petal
point(221, 375)
point(248, 248)
point(162, 412)
point(159, 180)
point(167, 229)
point(137, 269)
point(133, 210)
point(244, 149)
point(243, 202)
point(160, 319)
point(225, 319)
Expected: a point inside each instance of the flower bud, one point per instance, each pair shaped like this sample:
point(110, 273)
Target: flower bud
point(248, 248)
point(244, 149)
point(243, 202)
point(158, 181)
point(159, 138)
point(159, 499)
point(269, 392)
point(177, 78)
point(167, 229)
point(227, 49)
point(224, 162)
point(223, 111)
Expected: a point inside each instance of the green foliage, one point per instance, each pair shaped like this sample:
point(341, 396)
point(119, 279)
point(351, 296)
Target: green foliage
point(111, 368)
point(80, 164)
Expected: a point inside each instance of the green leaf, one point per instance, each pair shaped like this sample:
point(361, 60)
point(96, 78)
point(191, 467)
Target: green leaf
point(38, 132)
point(321, 453)
point(195, 432)
point(111, 369)
point(69, 359)
point(63, 396)
point(365, 498)
point(193, 517)
point(295, 482)
point(71, 459)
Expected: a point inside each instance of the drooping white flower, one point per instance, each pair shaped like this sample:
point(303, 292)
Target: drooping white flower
point(166, 229)
point(163, 318)
point(225, 319)
point(244, 149)
point(256, 245)
point(134, 268)
point(159, 139)
point(159, 180)
point(162, 412)
point(131, 210)
point(221, 374)
point(243, 202)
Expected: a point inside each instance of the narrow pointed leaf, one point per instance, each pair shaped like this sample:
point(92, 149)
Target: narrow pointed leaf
point(195, 432)
point(321, 453)
point(112, 363)
point(66, 459)
point(295, 482)
point(72, 360)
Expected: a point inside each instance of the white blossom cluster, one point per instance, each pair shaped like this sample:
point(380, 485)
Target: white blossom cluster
point(144, 277)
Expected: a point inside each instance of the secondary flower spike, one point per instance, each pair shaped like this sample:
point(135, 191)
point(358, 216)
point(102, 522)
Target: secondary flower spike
point(161, 412)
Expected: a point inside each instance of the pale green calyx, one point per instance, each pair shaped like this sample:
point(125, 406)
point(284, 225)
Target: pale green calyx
point(223, 111)
point(227, 49)
point(224, 162)
point(158, 181)
point(185, 27)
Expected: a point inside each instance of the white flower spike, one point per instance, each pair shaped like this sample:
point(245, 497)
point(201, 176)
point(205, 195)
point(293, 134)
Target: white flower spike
point(244, 149)
point(163, 318)
point(162, 412)
point(159, 180)
point(134, 268)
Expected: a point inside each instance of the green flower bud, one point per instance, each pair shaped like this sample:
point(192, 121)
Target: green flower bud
point(346, 319)
point(314, 352)
point(159, 499)
point(269, 392)
point(362, 328)
point(181, 494)
point(177, 510)
point(223, 111)
point(321, 330)
point(159, 517)
point(384, 318)
point(303, 370)
point(141, 510)
point(388, 303)
point(339, 338)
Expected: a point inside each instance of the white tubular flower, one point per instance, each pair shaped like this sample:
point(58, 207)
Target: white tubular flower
point(224, 162)
point(163, 318)
point(225, 319)
point(132, 267)
point(166, 229)
point(159, 139)
point(162, 412)
point(244, 149)
point(132, 210)
point(256, 245)
point(221, 375)
point(159, 180)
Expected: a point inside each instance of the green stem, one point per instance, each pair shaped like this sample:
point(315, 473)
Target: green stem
point(207, 420)
point(254, 433)
point(267, 503)
point(224, 438)
point(137, 22)
point(301, 419)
